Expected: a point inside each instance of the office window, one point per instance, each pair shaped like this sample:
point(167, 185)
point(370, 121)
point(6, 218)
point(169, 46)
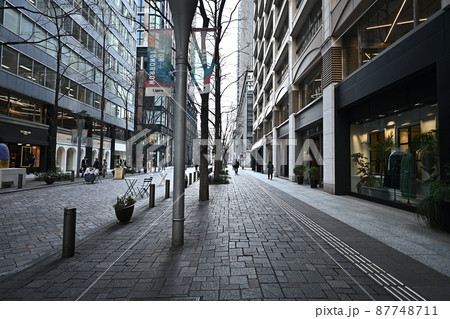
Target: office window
point(50, 79)
point(39, 73)
point(26, 29)
point(64, 86)
point(9, 59)
point(25, 66)
point(140, 37)
point(12, 19)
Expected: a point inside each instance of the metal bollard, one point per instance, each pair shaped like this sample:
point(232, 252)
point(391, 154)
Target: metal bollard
point(190, 178)
point(70, 215)
point(195, 177)
point(151, 197)
point(167, 188)
point(72, 176)
point(20, 181)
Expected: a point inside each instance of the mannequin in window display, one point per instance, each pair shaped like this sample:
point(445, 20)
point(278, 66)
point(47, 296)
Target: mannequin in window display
point(408, 176)
point(393, 169)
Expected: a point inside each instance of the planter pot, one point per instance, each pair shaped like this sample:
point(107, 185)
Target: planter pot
point(377, 192)
point(299, 179)
point(314, 183)
point(49, 180)
point(124, 214)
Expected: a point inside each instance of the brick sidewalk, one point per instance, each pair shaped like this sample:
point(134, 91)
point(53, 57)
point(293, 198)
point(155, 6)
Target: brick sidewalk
point(238, 246)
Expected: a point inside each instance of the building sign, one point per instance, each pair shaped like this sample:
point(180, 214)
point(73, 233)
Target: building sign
point(159, 79)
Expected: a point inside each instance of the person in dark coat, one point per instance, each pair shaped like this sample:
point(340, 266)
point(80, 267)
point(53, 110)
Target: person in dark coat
point(270, 170)
point(84, 165)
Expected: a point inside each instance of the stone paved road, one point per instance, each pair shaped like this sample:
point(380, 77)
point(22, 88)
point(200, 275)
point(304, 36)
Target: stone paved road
point(31, 220)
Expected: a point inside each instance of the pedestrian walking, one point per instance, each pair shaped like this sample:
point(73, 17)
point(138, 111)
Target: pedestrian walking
point(236, 166)
point(270, 170)
point(104, 168)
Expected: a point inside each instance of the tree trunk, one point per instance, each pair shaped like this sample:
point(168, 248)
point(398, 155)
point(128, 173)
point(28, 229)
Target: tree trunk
point(52, 113)
point(204, 182)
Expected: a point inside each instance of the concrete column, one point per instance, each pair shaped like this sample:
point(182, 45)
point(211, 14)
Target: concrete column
point(275, 150)
point(265, 159)
point(292, 144)
point(329, 132)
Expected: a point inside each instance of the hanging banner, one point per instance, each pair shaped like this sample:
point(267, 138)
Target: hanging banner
point(159, 78)
point(202, 59)
point(74, 136)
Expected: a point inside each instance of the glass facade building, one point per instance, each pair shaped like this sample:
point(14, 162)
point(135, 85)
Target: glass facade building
point(73, 52)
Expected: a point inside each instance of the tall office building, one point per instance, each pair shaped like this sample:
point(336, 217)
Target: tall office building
point(97, 46)
point(342, 82)
point(243, 133)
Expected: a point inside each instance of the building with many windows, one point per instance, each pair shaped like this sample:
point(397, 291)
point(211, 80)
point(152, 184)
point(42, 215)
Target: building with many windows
point(79, 54)
point(356, 88)
point(243, 133)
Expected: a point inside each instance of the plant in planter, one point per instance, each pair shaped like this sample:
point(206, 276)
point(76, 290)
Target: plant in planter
point(434, 209)
point(364, 167)
point(49, 177)
point(299, 171)
point(124, 208)
point(314, 175)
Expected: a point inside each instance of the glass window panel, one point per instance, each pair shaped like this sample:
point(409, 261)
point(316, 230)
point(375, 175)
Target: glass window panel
point(82, 67)
point(81, 96)
point(68, 24)
point(24, 109)
point(50, 79)
point(25, 66)
point(26, 28)
point(65, 88)
point(40, 37)
point(403, 136)
point(91, 44)
point(73, 89)
point(83, 38)
point(65, 55)
point(39, 73)
point(12, 19)
point(89, 97)
point(97, 101)
point(9, 59)
point(52, 45)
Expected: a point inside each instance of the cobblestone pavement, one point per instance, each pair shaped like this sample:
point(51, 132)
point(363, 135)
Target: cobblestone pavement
point(31, 220)
point(249, 242)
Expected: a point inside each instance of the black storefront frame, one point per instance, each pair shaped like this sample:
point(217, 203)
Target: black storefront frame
point(17, 132)
point(401, 74)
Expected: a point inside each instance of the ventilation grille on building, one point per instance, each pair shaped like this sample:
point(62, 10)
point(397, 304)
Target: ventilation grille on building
point(332, 66)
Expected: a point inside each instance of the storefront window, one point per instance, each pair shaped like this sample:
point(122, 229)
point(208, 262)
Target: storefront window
point(387, 154)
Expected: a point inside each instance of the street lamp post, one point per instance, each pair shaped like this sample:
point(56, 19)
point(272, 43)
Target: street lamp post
point(182, 14)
